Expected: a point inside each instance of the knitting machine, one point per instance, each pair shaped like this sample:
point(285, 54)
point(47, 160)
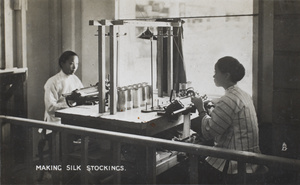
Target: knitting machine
point(86, 96)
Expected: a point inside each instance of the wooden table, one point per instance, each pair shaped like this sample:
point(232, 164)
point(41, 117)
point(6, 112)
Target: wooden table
point(130, 121)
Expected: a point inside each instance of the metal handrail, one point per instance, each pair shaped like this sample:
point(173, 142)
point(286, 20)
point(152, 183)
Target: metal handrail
point(195, 149)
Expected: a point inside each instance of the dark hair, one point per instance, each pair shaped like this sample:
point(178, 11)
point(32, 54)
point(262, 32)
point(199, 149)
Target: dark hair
point(232, 66)
point(65, 56)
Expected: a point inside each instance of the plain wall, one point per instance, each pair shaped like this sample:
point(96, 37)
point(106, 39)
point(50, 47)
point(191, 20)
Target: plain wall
point(49, 33)
point(39, 60)
point(93, 10)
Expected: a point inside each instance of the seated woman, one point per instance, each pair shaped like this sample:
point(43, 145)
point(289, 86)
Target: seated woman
point(63, 82)
point(232, 124)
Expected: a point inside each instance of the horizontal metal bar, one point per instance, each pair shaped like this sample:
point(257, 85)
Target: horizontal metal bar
point(159, 22)
point(243, 156)
point(138, 23)
point(218, 16)
point(194, 17)
point(146, 23)
point(102, 22)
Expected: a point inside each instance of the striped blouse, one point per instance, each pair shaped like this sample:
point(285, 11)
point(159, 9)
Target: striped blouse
point(233, 125)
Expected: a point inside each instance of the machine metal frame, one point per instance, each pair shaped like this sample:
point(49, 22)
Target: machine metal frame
point(102, 24)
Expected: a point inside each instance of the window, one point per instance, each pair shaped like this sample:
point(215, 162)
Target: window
point(208, 35)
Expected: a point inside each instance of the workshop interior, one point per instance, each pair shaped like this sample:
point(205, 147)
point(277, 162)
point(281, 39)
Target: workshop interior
point(141, 62)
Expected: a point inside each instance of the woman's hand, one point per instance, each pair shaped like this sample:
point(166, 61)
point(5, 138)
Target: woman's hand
point(198, 103)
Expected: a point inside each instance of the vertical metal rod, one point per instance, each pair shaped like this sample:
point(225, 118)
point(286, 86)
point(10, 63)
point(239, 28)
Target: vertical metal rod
point(101, 66)
point(170, 60)
point(116, 147)
point(2, 63)
point(152, 85)
point(29, 154)
point(186, 125)
point(193, 167)
point(242, 172)
point(1, 144)
point(113, 80)
point(151, 165)
point(84, 159)
point(55, 155)
point(117, 61)
point(160, 59)
point(65, 153)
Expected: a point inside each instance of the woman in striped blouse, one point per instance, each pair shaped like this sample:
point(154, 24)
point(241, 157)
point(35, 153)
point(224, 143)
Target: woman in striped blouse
point(232, 124)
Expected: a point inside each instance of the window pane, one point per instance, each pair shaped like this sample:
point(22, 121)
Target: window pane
point(206, 39)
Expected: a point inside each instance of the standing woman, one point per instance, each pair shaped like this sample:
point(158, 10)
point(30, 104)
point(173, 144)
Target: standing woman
point(232, 124)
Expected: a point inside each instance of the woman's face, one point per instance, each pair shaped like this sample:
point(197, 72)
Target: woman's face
point(70, 66)
point(220, 78)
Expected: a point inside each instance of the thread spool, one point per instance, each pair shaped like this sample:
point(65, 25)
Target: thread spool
point(122, 99)
point(146, 93)
point(129, 97)
point(135, 96)
point(140, 94)
point(182, 89)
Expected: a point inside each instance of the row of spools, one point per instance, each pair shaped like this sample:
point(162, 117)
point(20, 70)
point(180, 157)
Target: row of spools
point(133, 96)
